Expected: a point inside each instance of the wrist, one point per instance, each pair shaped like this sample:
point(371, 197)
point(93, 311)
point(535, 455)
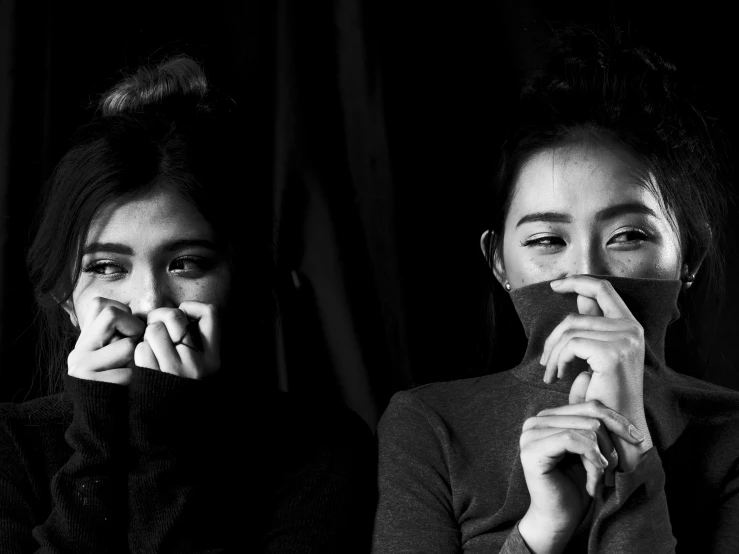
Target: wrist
point(542, 535)
point(629, 455)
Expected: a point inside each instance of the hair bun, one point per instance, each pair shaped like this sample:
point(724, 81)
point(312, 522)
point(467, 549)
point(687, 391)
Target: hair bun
point(176, 87)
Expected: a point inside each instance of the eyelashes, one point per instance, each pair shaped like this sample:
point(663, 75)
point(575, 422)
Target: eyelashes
point(186, 265)
point(626, 237)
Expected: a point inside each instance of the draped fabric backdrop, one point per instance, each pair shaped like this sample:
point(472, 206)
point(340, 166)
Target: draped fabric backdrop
point(375, 123)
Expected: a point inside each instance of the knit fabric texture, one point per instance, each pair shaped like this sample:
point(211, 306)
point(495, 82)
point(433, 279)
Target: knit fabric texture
point(450, 477)
point(174, 465)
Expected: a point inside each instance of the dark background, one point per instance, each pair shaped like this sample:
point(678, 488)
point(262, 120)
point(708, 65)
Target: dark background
point(375, 124)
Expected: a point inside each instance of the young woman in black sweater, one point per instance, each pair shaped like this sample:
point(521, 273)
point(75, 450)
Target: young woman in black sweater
point(151, 266)
point(608, 203)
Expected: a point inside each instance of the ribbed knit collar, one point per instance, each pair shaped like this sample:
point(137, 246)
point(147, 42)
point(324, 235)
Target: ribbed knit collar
point(653, 302)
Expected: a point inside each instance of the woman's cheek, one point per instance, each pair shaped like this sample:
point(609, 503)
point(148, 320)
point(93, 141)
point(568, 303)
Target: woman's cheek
point(209, 290)
point(534, 269)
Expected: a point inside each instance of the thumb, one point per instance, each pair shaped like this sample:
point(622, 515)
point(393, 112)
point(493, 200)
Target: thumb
point(580, 387)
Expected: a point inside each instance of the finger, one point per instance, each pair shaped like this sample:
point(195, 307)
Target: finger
point(538, 427)
point(174, 319)
point(579, 388)
point(143, 356)
point(614, 422)
point(96, 306)
point(555, 446)
point(574, 322)
point(206, 316)
point(557, 364)
point(111, 321)
point(540, 432)
point(601, 355)
point(113, 356)
point(595, 476)
point(599, 290)
point(588, 306)
point(190, 363)
point(117, 376)
point(167, 357)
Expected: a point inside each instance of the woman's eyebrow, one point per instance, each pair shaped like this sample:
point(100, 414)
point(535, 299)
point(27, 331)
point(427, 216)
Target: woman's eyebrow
point(606, 213)
point(549, 217)
point(190, 243)
point(626, 208)
point(111, 247)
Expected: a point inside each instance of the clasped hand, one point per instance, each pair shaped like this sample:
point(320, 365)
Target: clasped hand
point(604, 424)
point(112, 340)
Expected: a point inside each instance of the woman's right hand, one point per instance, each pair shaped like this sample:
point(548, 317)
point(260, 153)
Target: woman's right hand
point(105, 348)
point(561, 486)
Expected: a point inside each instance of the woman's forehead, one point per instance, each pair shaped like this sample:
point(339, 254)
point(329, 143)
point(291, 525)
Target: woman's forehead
point(159, 214)
point(582, 179)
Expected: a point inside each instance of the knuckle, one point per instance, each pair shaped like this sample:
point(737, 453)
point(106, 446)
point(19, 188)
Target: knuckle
point(109, 312)
point(595, 408)
point(530, 423)
point(571, 434)
point(605, 286)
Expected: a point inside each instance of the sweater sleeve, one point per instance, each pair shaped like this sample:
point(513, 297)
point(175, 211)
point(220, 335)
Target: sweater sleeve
point(88, 491)
point(415, 506)
point(414, 511)
point(171, 421)
point(633, 515)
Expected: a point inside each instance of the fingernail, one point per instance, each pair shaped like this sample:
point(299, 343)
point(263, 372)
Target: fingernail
point(603, 461)
point(556, 284)
point(634, 432)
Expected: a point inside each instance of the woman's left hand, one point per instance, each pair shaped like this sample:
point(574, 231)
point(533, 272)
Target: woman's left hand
point(607, 336)
point(169, 344)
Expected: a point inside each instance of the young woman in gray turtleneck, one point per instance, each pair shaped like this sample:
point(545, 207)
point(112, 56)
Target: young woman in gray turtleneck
point(608, 207)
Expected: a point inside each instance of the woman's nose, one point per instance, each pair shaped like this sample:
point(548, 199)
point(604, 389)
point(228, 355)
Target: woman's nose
point(148, 294)
point(589, 260)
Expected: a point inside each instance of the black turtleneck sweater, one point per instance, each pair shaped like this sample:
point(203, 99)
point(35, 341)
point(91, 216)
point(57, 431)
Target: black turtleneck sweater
point(450, 476)
point(175, 465)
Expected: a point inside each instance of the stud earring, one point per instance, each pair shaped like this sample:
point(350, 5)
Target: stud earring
point(688, 277)
point(507, 286)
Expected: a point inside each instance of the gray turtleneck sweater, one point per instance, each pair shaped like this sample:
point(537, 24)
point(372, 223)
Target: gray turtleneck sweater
point(450, 476)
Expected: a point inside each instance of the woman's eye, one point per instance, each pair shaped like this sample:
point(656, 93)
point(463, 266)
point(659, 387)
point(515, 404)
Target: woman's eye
point(548, 241)
point(189, 264)
point(104, 268)
point(630, 236)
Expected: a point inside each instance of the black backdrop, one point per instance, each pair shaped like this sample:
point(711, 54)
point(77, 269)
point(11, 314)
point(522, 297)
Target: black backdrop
point(374, 124)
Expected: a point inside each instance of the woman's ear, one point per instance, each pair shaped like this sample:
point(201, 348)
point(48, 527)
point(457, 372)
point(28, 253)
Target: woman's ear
point(688, 273)
point(487, 240)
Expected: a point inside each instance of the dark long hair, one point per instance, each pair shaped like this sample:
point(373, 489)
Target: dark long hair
point(588, 83)
point(160, 124)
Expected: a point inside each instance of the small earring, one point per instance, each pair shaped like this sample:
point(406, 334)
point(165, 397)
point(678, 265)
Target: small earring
point(507, 286)
point(688, 277)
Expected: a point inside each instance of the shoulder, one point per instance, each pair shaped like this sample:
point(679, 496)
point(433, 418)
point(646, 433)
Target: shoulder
point(702, 400)
point(33, 430)
point(453, 404)
point(448, 396)
point(41, 411)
